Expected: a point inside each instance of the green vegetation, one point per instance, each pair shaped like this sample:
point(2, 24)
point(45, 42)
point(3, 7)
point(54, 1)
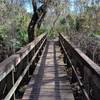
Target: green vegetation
point(81, 24)
point(14, 21)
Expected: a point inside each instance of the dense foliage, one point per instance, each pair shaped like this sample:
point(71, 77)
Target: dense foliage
point(80, 21)
point(14, 21)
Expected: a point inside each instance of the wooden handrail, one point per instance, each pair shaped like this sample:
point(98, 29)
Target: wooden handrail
point(23, 74)
point(93, 66)
point(9, 65)
point(87, 69)
point(76, 74)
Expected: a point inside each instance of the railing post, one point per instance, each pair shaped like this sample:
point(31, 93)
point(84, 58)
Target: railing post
point(26, 78)
point(13, 82)
point(32, 67)
point(10, 83)
point(88, 81)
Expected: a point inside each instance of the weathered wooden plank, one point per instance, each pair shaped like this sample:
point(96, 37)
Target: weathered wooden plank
point(49, 82)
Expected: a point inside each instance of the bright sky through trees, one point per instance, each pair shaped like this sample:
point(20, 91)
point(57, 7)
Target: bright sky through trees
point(28, 6)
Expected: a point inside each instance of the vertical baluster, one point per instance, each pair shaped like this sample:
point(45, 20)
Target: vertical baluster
point(13, 82)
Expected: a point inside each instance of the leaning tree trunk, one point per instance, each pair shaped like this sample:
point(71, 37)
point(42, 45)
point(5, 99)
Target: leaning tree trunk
point(32, 22)
point(32, 26)
point(36, 19)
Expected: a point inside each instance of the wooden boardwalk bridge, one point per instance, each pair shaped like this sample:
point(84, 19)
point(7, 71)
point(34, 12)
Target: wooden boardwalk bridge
point(49, 69)
point(49, 81)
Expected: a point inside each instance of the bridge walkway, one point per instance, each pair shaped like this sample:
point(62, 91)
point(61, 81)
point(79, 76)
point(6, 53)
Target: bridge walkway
point(49, 80)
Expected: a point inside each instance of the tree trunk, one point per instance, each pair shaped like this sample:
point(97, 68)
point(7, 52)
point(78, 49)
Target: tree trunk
point(32, 26)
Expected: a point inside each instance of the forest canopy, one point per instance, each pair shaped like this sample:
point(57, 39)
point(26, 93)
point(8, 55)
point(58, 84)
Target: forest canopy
point(77, 19)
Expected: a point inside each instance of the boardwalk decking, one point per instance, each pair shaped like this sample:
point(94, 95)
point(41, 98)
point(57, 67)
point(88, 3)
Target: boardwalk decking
point(49, 81)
